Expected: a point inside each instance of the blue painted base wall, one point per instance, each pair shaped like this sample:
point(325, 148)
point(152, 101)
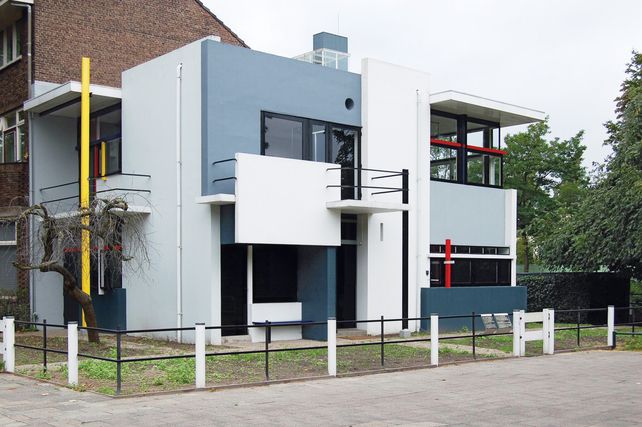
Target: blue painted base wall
point(111, 309)
point(458, 301)
point(317, 288)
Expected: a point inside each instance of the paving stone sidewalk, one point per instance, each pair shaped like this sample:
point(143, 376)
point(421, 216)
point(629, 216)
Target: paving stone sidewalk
point(584, 388)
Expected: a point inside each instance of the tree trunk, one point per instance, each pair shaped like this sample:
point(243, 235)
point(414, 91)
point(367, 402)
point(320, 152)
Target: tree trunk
point(526, 253)
point(70, 288)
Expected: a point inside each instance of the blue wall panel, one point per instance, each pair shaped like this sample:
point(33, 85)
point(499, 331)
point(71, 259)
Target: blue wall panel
point(317, 287)
point(239, 83)
point(465, 300)
point(111, 309)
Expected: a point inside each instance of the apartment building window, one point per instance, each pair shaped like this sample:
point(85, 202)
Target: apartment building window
point(13, 140)
point(8, 274)
point(9, 45)
point(465, 150)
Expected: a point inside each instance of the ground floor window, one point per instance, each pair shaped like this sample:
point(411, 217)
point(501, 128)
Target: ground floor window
point(472, 272)
point(274, 273)
point(8, 273)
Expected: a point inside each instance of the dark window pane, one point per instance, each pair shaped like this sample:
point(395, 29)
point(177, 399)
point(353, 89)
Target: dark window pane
point(484, 272)
point(461, 272)
point(283, 138)
point(343, 153)
point(7, 232)
point(503, 274)
point(10, 147)
point(348, 227)
point(436, 272)
point(275, 274)
point(443, 128)
point(8, 273)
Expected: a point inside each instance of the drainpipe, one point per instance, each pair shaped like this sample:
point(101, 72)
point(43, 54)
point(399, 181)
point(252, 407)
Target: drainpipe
point(179, 207)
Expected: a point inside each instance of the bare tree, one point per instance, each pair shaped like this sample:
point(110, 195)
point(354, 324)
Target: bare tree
point(58, 235)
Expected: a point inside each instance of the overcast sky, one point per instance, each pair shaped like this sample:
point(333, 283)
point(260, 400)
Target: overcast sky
point(566, 58)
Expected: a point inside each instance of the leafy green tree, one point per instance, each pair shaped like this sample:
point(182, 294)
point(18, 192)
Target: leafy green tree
point(549, 178)
point(605, 229)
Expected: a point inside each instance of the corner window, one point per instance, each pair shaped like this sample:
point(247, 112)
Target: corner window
point(9, 44)
point(443, 162)
point(13, 139)
point(283, 137)
point(472, 272)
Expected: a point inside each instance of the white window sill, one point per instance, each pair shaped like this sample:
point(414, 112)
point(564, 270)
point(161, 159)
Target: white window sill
point(8, 64)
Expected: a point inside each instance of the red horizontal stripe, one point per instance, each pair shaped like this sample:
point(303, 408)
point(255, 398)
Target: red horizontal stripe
point(487, 150)
point(445, 143)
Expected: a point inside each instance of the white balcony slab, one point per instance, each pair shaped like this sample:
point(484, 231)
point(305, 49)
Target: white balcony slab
point(365, 206)
point(217, 199)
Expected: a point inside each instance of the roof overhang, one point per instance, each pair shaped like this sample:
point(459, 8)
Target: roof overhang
point(64, 100)
point(477, 107)
point(11, 11)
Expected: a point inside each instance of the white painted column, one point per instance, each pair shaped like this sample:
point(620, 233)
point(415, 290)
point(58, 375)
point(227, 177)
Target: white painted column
point(610, 320)
point(199, 351)
point(72, 353)
point(9, 339)
point(332, 347)
point(522, 333)
point(551, 326)
point(516, 333)
point(434, 339)
point(545, 331)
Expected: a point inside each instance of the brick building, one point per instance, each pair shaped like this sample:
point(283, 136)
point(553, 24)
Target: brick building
point(41, 46)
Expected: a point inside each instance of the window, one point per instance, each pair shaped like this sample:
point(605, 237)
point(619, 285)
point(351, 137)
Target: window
point(306, 139)
point(13, 139)
point(105, 142)
point(472, 272)
point(9, 45)
point(274, 273)
point(8, 273)
point(463, 249)
point(465, 150)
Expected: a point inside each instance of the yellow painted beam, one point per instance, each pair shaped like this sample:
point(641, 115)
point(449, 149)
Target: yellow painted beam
point(84, 177)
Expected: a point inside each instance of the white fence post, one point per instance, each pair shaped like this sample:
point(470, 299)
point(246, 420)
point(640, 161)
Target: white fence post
point(545, 331)
point(72, 353)
point(199, 351)
point(610, 320)
point(9, 339)
point(434, 339)
point(516, 333)
point(551, 330)
point(332, 347)
point(522, 333)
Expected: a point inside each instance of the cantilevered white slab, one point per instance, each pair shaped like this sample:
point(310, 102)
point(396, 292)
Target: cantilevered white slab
point(217, 199)
point(64, 100)
point(365, 206)
point(483, 108)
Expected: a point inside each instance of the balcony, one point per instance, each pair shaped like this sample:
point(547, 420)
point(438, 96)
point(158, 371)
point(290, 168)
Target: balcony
point(287, 201)
point(63, 199)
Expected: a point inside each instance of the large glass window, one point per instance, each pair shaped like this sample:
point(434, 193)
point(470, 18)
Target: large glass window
point(306, 139)
point(105, 142)
point(13, 139)
point(274, 273)
point(283, 137)
point(443, 128)
point(472, 272)
point(483, 168)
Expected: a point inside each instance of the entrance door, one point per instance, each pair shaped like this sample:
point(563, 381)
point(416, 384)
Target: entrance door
point(233, 288)
point(347, 285)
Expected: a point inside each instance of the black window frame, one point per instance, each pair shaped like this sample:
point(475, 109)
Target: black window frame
point(503, 266)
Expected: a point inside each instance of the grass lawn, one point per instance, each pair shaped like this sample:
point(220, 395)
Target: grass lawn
point(176, 374)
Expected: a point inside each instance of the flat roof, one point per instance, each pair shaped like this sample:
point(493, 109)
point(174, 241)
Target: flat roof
point(64, 100)
point(477, 107)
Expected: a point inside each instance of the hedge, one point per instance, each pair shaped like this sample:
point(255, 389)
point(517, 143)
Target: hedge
point(564, 291)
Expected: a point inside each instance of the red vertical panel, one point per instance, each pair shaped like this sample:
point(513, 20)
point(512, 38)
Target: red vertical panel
point(448, 263)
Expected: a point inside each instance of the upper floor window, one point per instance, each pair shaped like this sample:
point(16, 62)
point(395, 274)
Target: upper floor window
point(13, 140)
point(315, 140)
point(465, 150)
point(9, 44)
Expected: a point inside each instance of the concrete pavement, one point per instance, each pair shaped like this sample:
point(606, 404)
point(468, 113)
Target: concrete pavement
point(585, 388)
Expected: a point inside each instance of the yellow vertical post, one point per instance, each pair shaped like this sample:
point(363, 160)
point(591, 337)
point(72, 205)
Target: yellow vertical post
point(84, 176)
point(103, 160)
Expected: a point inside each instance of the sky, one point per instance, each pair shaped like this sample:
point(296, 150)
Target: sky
point(566, 58)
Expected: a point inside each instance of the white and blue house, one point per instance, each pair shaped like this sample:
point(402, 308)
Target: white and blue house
point(287, 190)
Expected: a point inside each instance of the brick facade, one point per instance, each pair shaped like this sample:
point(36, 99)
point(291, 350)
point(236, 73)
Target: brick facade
point(115, 34)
